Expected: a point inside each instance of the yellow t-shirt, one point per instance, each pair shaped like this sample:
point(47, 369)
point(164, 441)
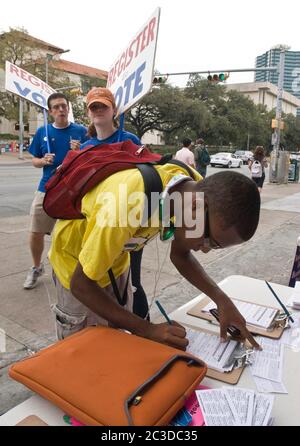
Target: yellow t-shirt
point(98, 240)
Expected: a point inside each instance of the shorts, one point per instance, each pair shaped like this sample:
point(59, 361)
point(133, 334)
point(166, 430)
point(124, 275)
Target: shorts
point(39, 220)
point(72, 316)
point(259, 181)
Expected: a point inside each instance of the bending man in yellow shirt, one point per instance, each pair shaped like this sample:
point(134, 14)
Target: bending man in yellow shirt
point(85, 252)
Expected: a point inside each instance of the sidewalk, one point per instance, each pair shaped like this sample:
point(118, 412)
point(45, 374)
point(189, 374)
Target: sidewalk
point(13, 159)
point(25, 316)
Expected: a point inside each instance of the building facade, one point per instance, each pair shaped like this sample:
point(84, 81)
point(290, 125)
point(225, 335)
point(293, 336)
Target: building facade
point(265, 93)
point(291, 70)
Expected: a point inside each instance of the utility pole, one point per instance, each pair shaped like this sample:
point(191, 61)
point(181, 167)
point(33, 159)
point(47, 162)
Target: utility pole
point(48, 58)
point(248, 141)
point(277, 173)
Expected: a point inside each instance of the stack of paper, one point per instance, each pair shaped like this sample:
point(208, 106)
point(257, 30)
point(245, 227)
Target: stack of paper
point(230, 406)
point(256, 315)
point(211, 350)
point(267, 366)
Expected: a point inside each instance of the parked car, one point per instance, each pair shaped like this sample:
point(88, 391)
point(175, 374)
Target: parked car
point(226, 160)
point(245, 155)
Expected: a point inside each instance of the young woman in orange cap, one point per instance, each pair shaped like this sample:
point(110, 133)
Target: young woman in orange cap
point(104, 130)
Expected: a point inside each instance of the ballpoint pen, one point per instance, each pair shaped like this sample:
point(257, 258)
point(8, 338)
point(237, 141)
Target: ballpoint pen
point(280, 303)
point(161, 309)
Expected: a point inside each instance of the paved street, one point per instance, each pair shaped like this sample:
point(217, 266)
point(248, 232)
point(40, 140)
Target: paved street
point(17, 186)
point(18, 183)
point(25, 316)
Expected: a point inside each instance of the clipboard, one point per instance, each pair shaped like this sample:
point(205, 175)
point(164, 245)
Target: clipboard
point(226, 377)
point(274, 333)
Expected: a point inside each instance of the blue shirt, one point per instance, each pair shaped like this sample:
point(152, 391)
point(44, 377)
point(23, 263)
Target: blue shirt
point(118, 136)
point(59, 141)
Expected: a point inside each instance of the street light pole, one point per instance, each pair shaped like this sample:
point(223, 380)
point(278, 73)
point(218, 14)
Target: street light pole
point(48, 58)
point(275, 168)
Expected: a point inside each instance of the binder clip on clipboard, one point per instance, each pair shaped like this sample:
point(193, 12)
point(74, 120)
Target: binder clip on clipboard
point(241, 356)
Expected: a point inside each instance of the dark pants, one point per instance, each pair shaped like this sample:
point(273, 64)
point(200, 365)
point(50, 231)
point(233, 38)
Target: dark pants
point(202, 170)
point(140, 303)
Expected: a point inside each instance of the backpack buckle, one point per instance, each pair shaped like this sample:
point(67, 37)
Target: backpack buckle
point(139, 151)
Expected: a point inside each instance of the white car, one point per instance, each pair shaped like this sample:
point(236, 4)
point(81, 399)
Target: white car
point(226, 160)
point(245, 155)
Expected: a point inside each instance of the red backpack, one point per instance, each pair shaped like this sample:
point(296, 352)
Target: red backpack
point(83, 170)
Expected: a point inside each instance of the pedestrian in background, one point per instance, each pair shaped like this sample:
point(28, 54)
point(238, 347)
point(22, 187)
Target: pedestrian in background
point(257, 167)
point(185, 154)
point(202, 157)
point(62, 136)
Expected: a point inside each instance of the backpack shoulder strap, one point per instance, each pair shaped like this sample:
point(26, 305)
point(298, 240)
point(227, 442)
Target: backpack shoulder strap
point(184, 166)
point(152, 183)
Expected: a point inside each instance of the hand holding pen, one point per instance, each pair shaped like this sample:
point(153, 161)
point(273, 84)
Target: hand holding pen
point(170, 332)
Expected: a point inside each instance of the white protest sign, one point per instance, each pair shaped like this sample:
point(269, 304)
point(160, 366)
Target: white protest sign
point(26, 85)
point(131, 76)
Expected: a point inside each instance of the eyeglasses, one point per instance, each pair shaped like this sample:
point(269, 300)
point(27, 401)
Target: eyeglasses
point(58, 106)
point(208, 240)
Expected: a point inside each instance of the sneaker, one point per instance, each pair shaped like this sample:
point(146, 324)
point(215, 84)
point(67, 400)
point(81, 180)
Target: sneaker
point(32, 276)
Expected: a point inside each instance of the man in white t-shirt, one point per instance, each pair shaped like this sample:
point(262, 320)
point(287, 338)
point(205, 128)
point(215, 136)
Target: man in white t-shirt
point(185, 154)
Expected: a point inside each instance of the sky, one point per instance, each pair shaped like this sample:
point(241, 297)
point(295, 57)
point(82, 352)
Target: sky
point(194, 35)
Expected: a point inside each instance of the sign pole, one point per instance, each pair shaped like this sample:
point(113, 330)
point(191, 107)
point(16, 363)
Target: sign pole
point(21, 128)
point(46, 129)
point(121, 126)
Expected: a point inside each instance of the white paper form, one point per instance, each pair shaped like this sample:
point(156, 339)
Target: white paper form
point(216, 409)
point(267, 386)
point(262, 409)
point(210, 349)
point(257, 315)
point(243, 403)
point(291, 335)
point(268, 363)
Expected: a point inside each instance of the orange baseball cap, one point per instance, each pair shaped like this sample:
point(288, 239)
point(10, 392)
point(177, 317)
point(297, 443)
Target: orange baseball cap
point(102, 95)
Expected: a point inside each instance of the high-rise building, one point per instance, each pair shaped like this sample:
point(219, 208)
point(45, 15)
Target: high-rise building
point(291, 70)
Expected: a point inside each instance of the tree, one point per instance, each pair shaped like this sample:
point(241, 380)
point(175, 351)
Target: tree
point(168, 110)
point(16, 48)
point(291, 133)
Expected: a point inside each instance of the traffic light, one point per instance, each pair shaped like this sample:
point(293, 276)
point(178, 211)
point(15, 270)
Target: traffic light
point(159, 80)
point(26, 127)
point(216, 78)
point(17, 126)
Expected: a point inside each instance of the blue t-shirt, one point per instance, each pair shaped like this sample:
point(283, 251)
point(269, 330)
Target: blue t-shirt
point(118, 136)
point(59, 141)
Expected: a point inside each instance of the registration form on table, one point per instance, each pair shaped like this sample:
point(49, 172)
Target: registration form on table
point(211, 350)
point(268, 363)
point(256, 315)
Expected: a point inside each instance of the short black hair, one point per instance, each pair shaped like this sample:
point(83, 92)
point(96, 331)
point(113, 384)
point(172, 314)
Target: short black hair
point(186, 142)
point(56, 96)
point(236, 199)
